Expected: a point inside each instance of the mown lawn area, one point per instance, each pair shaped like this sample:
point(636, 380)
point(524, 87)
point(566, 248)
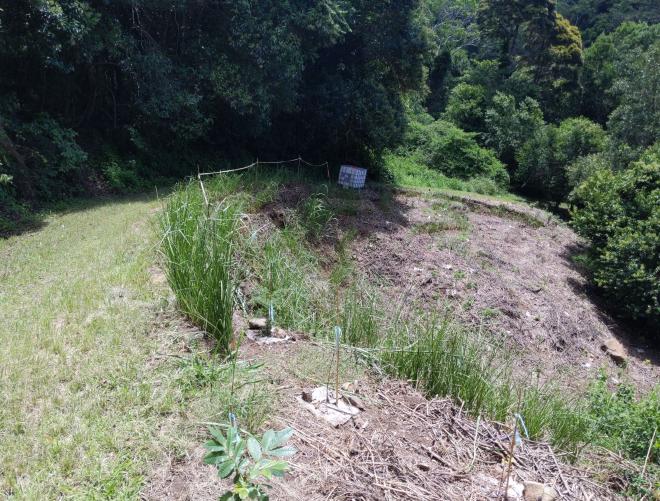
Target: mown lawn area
point(85, 403)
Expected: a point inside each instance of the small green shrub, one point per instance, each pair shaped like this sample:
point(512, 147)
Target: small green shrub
point(622, 422)
point(198, 251)
point(119, 178)
point(444, 147)
point(248, 460)
point(619, 213)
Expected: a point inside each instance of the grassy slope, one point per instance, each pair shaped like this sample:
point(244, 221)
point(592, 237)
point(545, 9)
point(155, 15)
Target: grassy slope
point(78, 403)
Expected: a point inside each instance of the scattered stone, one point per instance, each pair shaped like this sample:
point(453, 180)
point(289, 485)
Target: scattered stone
point(515, 490)
point(535, 491)
point(355, 402)
point(324, 406)
point(447, 266)
point(272, 340)
point(258, 323)
point(278, 332)
point(615, 350)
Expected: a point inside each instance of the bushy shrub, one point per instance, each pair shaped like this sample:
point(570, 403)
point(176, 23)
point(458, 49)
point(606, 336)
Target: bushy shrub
point(619, 212)
point(466, 105)
point(510, 124)
point(454, 152)
point(622, 422)
point(583, 168)
point(544, 158)
point(120, 178)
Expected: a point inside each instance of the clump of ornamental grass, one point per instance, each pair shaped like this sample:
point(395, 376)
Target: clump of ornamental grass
point(198, 252)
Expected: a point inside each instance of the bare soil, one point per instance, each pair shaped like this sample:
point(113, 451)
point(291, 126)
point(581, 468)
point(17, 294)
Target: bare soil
point(402, 446)
point(503, 267)
point(509, 270)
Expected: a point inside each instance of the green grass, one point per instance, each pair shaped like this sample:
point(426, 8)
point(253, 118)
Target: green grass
point(198, 253)
point(441, 357)
point(405, 171)
point(90, 399)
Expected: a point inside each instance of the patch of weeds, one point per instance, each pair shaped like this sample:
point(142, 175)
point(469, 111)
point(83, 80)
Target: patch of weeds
point(459, 275)
point(286, 278)
point(468, 304)
point(316, 364)
point(198, 372)
point(343, 268)
point(458, 244)
point(358, 317)
point(623, 422)
point(442, 358)
point(314, 215)
point(264, 195)
point(488, 313)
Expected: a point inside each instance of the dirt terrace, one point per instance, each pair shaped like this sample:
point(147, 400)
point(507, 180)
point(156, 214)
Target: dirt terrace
point(401, 447)
point(504, 267)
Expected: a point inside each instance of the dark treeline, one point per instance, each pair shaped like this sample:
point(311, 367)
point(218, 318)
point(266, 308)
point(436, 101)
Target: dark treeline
point(557, 101)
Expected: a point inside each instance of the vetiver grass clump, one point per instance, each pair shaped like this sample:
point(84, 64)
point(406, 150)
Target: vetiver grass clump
point(443, 359)
point(198, 249)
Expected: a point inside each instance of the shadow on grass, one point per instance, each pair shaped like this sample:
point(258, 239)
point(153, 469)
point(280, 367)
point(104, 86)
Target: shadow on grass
point(37, 219)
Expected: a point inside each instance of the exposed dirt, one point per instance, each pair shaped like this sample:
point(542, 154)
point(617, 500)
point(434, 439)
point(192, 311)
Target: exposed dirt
point(401, 447)
point(507, 269)
point(498, 267)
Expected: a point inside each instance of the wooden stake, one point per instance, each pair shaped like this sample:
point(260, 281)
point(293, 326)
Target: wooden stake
point(337, 336)
point(648, 452)
point(508, 469)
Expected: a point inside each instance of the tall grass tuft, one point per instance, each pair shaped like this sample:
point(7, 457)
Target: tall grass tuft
point(198, 248)
point(443, 359)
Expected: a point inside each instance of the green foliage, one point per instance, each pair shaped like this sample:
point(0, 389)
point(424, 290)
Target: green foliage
point(583, 168)
point(120, 179)
point(198, 251)
point(315, 215)
point(543, 160)
point(444, 360)
point(407, 171)
point(509, 124)
point(602, 16)
point(248, 460)
point(619, 212)
point(622, 422)
point(262, 78)
point(465, 106)
point(606, 61)
point(454, 152)
point(635, 124)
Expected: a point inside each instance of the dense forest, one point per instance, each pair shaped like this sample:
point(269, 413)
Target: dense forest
point(559, 102)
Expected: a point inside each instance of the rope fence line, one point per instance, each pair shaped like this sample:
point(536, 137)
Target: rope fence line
point(300, 161)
